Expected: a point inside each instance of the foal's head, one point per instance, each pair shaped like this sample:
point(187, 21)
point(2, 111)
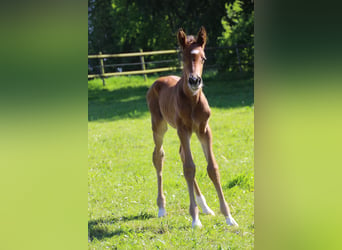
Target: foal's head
point(193, 57)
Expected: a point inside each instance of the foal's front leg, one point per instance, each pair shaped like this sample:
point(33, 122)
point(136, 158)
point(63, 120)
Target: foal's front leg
point(189, 170)
point(205, 138)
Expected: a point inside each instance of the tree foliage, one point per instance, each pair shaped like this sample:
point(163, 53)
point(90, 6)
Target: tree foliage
point(238, 24)
point(117, 26)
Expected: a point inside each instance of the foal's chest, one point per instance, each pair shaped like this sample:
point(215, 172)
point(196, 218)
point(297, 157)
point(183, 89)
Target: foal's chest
point(195, 118)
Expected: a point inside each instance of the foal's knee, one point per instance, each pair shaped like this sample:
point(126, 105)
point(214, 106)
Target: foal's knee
point(213, 172)
point(189, 171)
point(158, 157)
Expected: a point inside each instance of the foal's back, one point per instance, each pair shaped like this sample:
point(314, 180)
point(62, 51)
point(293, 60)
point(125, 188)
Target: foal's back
point(164, 84)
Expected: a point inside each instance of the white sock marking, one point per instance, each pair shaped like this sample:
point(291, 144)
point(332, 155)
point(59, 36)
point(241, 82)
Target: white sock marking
point(230, 221)
point(203, 204)
point(196, 222)
point(161, 212)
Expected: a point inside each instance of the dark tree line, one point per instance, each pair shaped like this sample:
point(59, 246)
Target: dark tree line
point(116, 26)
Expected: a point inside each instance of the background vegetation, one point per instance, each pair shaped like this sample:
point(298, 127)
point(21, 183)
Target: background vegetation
point(117, 26)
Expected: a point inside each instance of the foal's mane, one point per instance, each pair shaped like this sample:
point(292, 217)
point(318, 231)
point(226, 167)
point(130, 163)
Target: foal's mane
point(190, 39)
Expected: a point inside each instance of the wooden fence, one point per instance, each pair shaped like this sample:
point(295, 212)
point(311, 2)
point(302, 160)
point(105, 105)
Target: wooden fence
point(140, 54)
point(142, 62)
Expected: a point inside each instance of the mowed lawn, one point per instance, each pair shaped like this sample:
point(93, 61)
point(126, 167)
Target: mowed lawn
point(122, 184)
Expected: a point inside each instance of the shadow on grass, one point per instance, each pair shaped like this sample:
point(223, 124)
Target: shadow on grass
point(222, 91)
point(122, 103)
point(229, 90)
point(99, 228)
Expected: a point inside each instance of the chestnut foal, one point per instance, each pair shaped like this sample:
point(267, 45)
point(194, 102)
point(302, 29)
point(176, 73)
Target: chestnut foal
point(181, 103)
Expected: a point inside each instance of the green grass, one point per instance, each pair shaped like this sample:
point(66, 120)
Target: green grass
point(122, 184)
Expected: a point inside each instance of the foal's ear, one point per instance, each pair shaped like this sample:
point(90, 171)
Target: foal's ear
point(202, 37)
point(181, 36)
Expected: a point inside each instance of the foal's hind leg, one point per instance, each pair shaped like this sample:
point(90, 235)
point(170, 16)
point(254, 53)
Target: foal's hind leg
point(199, 196)
point(159, 128)
point(201, 200)
point(189, 170)
point(205, 138)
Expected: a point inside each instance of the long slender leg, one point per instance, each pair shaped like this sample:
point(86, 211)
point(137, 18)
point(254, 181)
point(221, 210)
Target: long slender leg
point(189, 170)
point(200, 199)
point(159, 128)
point(205, 138)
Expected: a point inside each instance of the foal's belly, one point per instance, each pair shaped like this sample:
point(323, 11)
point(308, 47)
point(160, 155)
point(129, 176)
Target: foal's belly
point(167, 110)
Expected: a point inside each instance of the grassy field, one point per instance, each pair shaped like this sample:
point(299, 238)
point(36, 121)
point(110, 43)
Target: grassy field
point(122, 184)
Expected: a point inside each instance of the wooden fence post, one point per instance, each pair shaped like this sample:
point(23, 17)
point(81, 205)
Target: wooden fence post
point(143, 65)
point(238, 56)
point(102, 70)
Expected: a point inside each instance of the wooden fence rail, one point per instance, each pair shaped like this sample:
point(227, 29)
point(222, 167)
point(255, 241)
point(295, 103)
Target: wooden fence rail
point(142, 62)
point(140, 54)
point(135, 72)
point(146, 53)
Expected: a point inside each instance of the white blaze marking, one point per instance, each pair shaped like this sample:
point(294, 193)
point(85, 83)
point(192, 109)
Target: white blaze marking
point(194, 51)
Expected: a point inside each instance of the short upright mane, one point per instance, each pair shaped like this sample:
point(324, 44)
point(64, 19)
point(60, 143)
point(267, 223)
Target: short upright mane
point(190, 39)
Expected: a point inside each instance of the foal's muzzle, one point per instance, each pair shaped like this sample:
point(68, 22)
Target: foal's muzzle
point(195, 81)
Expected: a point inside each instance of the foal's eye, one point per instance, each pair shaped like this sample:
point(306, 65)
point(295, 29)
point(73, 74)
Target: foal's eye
point(203, 59)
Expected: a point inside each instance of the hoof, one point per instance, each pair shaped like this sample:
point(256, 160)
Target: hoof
point(161, 212)
point(230, 221)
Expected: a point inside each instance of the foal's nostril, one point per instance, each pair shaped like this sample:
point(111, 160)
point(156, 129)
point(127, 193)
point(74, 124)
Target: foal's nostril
point(192, 80)
point(195, 80)
point(199, 80)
